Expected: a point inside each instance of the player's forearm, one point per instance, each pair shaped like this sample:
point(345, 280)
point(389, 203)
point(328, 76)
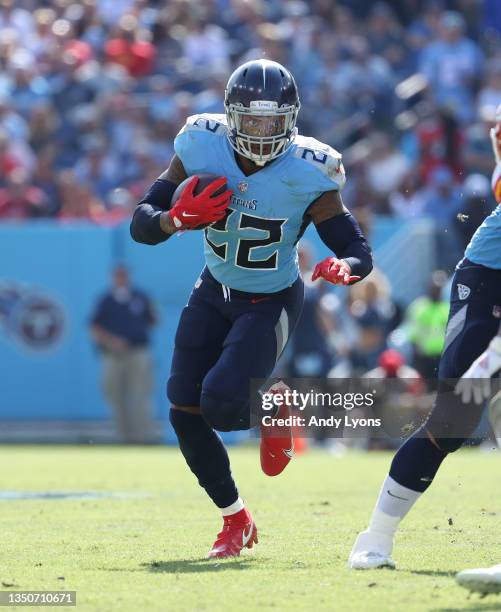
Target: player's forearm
point(343, 236)
point(104, 338)
point(150, 223)
point(359, 257)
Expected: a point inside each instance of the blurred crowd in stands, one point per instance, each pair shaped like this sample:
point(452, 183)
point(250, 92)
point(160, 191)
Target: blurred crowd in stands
point(93, 92)
point(342, 338)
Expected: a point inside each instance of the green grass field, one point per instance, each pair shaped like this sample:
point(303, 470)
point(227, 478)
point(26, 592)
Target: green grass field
point(145, 550)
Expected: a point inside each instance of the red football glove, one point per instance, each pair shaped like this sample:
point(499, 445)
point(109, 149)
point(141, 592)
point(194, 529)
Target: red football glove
point(336, 271)
point(191, 211)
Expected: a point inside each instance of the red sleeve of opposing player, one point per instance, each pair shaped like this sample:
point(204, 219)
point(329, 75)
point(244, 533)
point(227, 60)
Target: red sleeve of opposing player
point(496, 183)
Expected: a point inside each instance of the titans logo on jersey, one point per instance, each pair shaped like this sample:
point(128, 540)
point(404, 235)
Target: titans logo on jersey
point(254, 247)
point(485, 246)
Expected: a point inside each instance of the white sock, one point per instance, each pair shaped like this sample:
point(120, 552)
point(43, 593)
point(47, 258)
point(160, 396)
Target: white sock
point(393, 503)
point(234, 507)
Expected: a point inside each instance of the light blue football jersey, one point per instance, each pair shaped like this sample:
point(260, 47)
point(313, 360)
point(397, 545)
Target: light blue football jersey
point(485, 245)
point(254, 248)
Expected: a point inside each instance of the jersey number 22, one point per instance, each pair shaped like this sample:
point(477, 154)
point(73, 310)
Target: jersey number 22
point(273, 227)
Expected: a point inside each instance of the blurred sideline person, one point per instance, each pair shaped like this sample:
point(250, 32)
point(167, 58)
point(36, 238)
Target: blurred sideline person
point(247, 300)
point(426, 320)
point(310, 354)
point(375, 315)
point(120, 326)
point(398, 399)
point(474, 318)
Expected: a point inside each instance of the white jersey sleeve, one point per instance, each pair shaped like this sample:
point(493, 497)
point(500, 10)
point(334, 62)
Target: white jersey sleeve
point(496, 183)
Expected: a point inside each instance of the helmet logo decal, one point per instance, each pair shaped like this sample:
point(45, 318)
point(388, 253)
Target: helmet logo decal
point(263, 105)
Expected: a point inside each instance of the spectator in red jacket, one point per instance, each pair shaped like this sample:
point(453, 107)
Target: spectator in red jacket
point(135, 55)
point(8, 161)
point(21, 200)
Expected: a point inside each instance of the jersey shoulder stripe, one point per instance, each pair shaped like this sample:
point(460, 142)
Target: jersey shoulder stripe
point(205, 123)
point(322, 157)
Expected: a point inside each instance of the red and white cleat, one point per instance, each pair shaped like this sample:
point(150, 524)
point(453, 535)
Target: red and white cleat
point(277, 441)
point(239, 531)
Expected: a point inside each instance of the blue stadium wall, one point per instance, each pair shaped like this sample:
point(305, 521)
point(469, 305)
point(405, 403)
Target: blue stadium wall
point(51, 275)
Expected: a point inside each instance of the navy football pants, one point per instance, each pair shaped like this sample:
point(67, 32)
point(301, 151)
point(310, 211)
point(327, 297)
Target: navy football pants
point(474, 319)
point(224, 339)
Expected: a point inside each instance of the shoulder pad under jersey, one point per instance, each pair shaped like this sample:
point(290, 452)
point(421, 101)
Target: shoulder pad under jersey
point(205, 123)
point(323, 159)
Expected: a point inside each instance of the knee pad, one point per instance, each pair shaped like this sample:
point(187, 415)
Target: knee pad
point(181, 391)
point(225, 414)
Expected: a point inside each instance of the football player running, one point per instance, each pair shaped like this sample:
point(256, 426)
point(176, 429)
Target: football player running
point(247, 300)
point(476, 383)
point(472, 350)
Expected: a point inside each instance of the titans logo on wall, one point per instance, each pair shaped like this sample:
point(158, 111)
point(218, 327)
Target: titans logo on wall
point(30, 316)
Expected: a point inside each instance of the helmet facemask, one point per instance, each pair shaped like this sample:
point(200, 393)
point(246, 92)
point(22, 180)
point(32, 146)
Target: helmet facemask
point(263, 131)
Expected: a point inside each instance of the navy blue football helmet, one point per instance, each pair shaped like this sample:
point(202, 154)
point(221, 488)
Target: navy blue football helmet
point(261, 103)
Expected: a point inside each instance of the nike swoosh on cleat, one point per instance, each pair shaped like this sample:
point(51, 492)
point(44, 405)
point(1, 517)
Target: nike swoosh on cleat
point(185, 214)
point(247, 537)
point(396, 496)
point(289, 452)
